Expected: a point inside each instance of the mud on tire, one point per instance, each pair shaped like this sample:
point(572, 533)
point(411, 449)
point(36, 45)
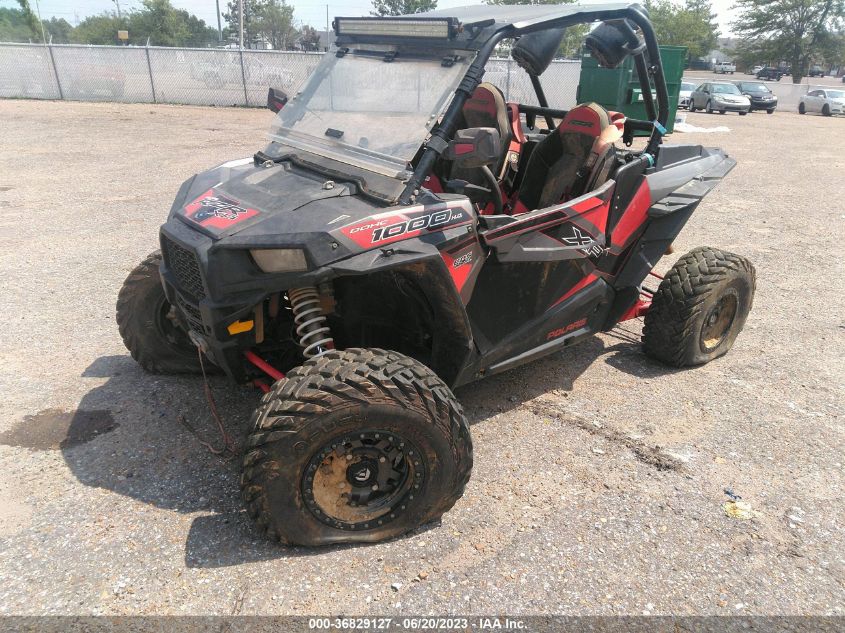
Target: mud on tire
point(158, 344)
point(358, 445)
point(699, 308)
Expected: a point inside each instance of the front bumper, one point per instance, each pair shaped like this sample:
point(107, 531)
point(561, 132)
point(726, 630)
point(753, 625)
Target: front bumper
point(764, 104)
point(730, 107)
point(184, 277)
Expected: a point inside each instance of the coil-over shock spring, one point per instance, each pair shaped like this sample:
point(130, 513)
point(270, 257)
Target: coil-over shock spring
point(314, 336)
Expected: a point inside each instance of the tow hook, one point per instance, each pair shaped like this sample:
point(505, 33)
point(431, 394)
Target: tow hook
point(198, 340)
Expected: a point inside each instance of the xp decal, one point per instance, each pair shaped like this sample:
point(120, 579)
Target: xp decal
point(217, 211)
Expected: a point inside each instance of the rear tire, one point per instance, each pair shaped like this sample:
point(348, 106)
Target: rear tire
point(801, 108)
point(358, 415)
point(743, 113)
point(699, 308)
point(147, 327)
point(772, 111)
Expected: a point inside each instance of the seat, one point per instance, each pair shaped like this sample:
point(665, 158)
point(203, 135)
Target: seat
point(485, 108)
point(573, 159)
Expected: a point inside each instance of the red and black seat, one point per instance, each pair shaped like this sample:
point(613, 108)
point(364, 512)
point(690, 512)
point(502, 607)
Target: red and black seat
point(571, 160)
point(485, 108)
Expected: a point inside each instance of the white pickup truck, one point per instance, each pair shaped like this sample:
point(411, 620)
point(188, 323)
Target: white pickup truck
point(724, 68)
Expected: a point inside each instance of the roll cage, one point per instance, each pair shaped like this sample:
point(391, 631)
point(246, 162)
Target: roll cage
point(481, 29)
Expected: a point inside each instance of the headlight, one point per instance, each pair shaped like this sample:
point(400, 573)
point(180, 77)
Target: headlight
point(280, 260)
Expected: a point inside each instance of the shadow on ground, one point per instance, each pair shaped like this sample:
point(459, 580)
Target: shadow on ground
point(145, 453)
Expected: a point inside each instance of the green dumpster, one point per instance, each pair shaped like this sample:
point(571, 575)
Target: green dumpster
point(618, 89)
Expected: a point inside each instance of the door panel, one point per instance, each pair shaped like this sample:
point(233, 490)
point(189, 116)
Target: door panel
point(536, 263)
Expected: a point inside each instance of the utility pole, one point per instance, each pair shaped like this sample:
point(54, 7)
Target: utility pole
point(41, 22)
point(117, 3)
point(326, 47)
point(219, 26)
point(241, 11)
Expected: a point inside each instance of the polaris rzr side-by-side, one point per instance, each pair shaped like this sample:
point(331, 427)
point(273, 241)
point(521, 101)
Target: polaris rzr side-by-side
point(406, 231)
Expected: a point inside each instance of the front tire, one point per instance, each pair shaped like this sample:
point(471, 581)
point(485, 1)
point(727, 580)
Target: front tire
point(802, 108)
point(699, 308)
point(359, 445)
point(147, 325)
point(709, 107)
point(826, 110)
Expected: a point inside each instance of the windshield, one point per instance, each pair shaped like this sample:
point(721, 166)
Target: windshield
point(728, 89)
point(836, 94)
point(366, 111)
point(754, 87)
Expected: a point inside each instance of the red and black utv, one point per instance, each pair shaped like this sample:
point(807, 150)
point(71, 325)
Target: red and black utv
point(407, 230)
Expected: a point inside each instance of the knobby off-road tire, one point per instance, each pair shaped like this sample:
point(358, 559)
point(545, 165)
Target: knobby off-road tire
point(341, 423)
point(158, 344)
point(699, 308)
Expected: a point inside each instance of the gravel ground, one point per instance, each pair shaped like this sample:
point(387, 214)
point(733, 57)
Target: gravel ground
point(600, 475)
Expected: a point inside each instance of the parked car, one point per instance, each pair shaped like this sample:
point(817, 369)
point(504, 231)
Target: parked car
point(828, 102)
point(815, 71)
point(759, 94)
point(683, 96)
point(719, 96)
point(755, 70)
point(226, 70)
point(772, 74)
point(724, 68)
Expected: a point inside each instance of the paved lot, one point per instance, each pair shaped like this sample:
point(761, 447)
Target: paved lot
point(600, 475)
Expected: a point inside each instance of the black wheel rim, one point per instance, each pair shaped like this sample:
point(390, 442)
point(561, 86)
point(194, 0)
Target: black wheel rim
point(718, 321)
point(363, 480)
point(168, 330)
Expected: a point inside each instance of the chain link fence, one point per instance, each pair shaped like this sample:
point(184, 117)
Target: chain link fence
point(208, 76)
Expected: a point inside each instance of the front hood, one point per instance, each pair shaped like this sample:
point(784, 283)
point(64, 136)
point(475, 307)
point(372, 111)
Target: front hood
point(237, 195)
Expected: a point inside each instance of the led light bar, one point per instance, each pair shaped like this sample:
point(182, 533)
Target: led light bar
point(422, 28)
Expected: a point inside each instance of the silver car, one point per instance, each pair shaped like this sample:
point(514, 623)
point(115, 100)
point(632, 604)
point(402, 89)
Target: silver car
point(686, 90)
point(824, 100)
point(719, 96)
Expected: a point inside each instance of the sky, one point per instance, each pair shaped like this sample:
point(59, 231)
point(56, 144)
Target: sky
point(311, 12)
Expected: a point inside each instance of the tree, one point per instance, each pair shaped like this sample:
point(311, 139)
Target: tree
point(402, 7)
point(165, 25)
point(100, 29)
point(252, 10)
point(31, 20)
point(159, 21)
point(573, 40)
point(275, 24)
point(794, 30)
point(690, 24)
point(309, 38)
point(14, 26)
point(59, 29)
